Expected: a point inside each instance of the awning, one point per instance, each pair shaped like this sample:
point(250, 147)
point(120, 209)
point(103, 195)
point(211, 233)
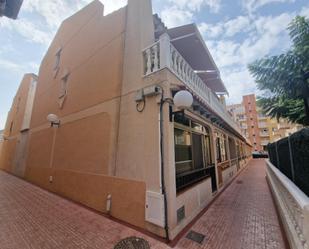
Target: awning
point(190, 44)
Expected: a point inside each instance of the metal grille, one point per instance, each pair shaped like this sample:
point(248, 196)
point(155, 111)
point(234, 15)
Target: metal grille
point(185, 179)
point(196, 237)
point(132, 243)
point(181, 214)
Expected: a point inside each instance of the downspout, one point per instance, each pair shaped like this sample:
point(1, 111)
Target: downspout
point(162, 166)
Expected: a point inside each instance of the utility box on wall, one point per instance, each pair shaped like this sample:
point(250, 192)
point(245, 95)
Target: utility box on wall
point(155, 208)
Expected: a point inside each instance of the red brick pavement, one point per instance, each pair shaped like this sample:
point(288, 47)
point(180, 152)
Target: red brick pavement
point(243, 217)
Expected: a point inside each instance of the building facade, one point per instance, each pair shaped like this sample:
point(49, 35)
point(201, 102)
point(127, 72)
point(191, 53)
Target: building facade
point(121, 146)
point(257, 127)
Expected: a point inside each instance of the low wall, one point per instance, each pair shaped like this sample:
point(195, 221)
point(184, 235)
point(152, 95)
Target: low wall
point(228, 174)
point(293, 206)
point(127, 196)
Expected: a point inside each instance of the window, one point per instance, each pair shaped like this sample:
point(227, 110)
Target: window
point(192, 152)
point(63, 88)
point(57, 62)
point(183, 151)
point(11, 127)
point(221, 147)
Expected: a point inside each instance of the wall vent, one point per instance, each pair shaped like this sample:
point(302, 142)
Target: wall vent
point(181, 214)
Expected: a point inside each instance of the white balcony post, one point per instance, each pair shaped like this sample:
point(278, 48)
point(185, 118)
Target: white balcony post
point(165, 51)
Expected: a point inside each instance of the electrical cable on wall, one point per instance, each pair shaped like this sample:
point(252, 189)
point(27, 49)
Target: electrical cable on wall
point(143, 102)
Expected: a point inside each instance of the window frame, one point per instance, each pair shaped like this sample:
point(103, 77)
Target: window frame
point(200, 173)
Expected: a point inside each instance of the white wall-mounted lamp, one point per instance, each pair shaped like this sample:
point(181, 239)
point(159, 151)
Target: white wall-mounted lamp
point(53, 119)
point(182, 100)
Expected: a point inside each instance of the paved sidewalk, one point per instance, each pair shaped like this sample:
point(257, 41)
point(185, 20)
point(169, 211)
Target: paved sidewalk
point(243, 217)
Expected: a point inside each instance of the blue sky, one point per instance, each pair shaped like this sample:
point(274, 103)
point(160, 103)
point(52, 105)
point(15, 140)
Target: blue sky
point(236, 32)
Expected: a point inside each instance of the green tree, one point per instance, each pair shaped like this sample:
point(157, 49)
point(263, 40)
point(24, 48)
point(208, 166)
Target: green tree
point(283, 78)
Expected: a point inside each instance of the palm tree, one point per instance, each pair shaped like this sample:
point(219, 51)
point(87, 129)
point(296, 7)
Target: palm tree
point(284, 78)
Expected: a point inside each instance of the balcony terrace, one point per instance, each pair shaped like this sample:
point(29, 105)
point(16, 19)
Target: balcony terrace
point(164, 55)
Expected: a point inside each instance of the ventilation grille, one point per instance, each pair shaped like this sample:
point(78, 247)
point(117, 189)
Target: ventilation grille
point(181, 214)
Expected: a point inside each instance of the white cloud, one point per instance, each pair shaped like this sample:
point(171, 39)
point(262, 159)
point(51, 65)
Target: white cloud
point(10, 65)
point(53, 12)
point(252, 5)
point(196, 5)
point(180, 12)
point(239, 82)
point(305, 11)
point(273, 24)
point(176, 17)
point(28, 30)
point(112, 5)
point(3, 117)
point(228, 28)
point(265, 35)
point(225, 52)
point(237, 25)
point(211, 31)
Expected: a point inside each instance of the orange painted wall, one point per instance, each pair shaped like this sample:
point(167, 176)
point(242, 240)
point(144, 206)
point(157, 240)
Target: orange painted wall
point(14, 123)
point(93, 57)
point(76, 159)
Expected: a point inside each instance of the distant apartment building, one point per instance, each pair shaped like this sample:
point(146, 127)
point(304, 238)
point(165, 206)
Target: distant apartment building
point(105, 128)
point(1, 140)
point(257, 127)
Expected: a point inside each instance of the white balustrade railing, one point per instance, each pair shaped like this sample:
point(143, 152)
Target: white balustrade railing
point(163, 54)
point(293, 205)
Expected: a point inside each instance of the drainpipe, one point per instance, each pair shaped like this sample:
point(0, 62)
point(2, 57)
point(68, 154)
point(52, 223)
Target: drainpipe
point(162, 166)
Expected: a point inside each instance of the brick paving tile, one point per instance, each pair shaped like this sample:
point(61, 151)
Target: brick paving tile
point(243, 217)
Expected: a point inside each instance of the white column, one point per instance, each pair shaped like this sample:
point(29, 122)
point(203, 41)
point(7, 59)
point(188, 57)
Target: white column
point(165, 51)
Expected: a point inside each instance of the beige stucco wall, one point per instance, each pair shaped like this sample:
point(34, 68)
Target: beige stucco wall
point(1, 145)
point(14, 124)
point(92, 53)
point(79, 158)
